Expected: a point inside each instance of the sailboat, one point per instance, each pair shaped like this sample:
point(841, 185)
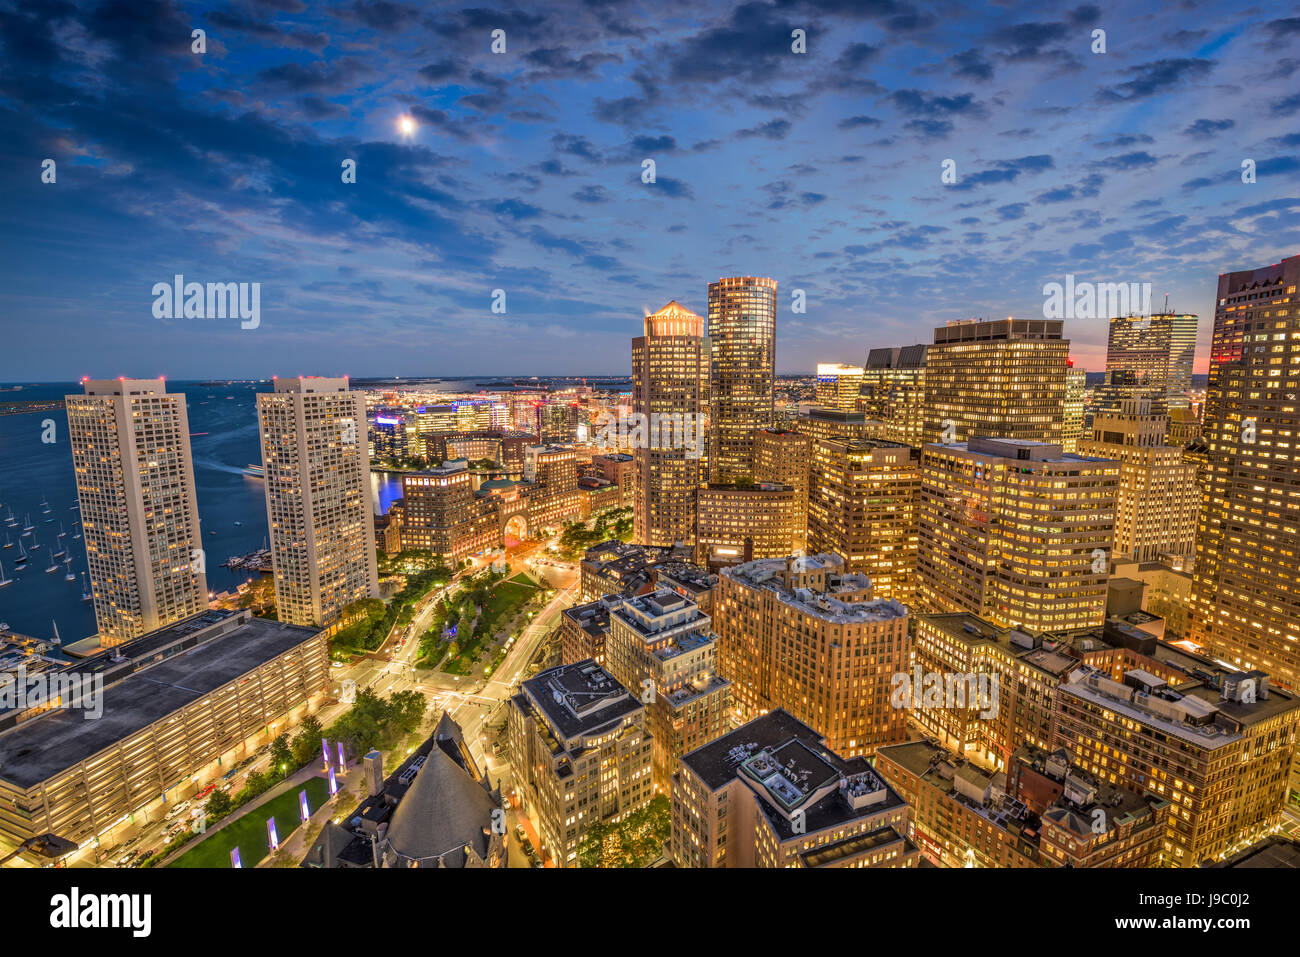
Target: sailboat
point(56, 640)
point(59, 544)
point(77, 537)
point(67, 567)
point(54, 566)
point(85, 591)
point(21, 560)
point(10, 520)
point(27, 524)
point(45, 506)
point(8, 541)
point(4, 581)
point(35, 543)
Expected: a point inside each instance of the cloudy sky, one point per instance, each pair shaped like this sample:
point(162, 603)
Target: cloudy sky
point(523, 173)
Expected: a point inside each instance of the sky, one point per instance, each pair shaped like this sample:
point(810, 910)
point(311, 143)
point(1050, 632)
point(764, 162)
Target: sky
point(524, 173)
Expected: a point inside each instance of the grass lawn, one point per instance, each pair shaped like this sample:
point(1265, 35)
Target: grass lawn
point(249, 832)
point(503, 603)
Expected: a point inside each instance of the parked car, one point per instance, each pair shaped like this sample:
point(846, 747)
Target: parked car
point(521, 834)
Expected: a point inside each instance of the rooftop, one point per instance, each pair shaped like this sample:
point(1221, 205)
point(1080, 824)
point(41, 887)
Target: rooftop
point(57, 740)
point(579, 699)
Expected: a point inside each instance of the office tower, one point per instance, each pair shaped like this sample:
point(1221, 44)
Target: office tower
point(818, 423)
point(317, 498)
point(659, 646)
point(1247, 577)
point(781, 456)
point(838, 386)
point(670, 375)
point(773, 794)
point(553, 496)
point(805, 635)
point(1149, 357)
point(742, 381)
point(1017, 532)
point(893, 392)
point(738, 523)
point(1042, 813)
point(584, 629)
point(862, 506)
point(441, 515)
point(1076, 387)
point(582, 752)
point(1018, 674)
point(1004, 378)
point(176, 702)
point(135, 481)
point(1159, 499)
point(619, 468)
point(1222, 754)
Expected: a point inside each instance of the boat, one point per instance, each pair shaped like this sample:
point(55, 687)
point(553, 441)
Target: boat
point(74, 506)
point(77, 537)
point(256, 471)
point(68, 576)
point(8, 541)
point(35, 543)
point(45, 506)
point(4, 581)
point(239, 523)
point(85, 592)
point(27, 523)
point(9, 519)
point(54, 566)
point(21, 560)
point(56, 640)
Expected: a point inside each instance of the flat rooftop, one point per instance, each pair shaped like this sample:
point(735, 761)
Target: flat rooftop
point(579, 699)
point(769, 573)
point(57, 740)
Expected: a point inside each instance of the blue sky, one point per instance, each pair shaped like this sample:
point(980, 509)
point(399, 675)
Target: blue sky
point(820, 169)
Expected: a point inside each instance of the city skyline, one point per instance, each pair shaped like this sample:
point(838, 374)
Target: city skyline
point(521, 171)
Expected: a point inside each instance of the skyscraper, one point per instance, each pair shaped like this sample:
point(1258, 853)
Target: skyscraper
point(317, 498)
point(1246, 596)
point(1076, 384)
point(893, 391)
point(1149, 356)
point(135, 481)
point(862, 506)
point(670, 375)
point(1004, 378)
point(1017, 532)
point(1158, 496)
point(838, 386)
point(742, 335)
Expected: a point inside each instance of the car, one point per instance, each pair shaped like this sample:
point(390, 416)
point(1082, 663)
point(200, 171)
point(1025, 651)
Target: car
point(127, 858)
point(521, 834)
point(538, 863)
point(205, 792)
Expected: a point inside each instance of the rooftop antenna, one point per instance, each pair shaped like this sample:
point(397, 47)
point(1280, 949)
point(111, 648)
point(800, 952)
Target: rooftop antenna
point(1166, 303)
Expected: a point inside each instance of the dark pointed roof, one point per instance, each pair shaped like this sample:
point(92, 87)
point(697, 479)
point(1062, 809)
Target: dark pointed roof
point(445, 809)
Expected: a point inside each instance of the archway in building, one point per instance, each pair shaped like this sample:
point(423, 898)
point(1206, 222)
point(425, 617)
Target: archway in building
point(516, 530)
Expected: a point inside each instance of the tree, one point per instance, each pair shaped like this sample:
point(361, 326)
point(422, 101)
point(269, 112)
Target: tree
point(306, 744)
point(219, 805)
point(633, 842)
point(281, 757)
